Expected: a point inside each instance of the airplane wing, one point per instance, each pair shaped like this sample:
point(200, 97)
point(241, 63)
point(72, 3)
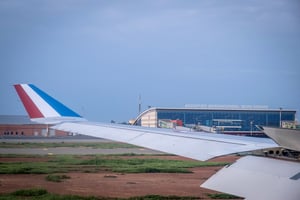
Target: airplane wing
point(200, 146)
point(258, 178)
point(287, 138)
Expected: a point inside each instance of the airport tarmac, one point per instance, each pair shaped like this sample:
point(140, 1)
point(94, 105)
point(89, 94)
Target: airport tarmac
point(67, 150)
point(75, 151)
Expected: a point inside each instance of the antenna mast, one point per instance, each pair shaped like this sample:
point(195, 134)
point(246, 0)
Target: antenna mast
point(140, 104)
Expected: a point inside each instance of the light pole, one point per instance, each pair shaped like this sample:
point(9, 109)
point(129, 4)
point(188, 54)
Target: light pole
point(251, 128)
point(280, 124)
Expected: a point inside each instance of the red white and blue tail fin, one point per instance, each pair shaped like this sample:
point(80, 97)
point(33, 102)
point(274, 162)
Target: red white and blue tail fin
point(43, 108)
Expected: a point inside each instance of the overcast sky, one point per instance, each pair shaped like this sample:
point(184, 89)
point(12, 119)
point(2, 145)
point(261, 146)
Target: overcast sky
point(97, 56)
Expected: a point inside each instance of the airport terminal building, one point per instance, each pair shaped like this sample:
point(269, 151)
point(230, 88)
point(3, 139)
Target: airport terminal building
point(239, 120)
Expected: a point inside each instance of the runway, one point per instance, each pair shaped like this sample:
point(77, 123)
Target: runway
point(67, 150)
point(53, 139)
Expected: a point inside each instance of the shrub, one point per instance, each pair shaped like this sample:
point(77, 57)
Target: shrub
point(30, 192)
point(56, 178)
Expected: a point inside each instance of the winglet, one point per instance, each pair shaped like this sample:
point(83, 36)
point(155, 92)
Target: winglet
point(41, 107)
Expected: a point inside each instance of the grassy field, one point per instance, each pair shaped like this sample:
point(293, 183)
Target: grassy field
point(42, 194)
point(93, 163)
point(57, 167)
point(49, 164)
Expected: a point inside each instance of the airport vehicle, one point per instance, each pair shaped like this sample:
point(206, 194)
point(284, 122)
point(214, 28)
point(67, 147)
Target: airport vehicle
point(252, 177)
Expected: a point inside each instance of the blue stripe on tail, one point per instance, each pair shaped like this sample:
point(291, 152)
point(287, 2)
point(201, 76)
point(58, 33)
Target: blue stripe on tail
point(56, 105)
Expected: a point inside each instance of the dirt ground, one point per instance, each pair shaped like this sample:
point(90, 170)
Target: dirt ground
point(107, 184)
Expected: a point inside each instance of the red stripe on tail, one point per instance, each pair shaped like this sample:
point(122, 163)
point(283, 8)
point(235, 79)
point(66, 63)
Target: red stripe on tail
point(29, 105)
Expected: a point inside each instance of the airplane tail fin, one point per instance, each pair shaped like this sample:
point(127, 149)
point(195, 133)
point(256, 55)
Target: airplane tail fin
point(43, 108)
